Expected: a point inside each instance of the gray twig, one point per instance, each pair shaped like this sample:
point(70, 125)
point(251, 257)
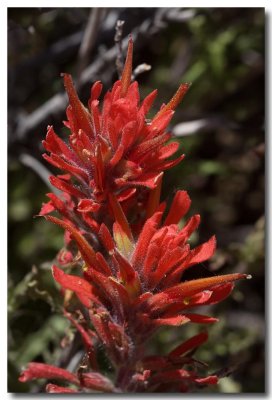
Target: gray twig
point(40, 169)
point(140, 69)
point(118, 40)
point(56, 105)
point(89, 38)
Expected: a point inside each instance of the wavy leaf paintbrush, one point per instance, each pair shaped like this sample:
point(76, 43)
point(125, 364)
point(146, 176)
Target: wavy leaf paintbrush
point(130, 252)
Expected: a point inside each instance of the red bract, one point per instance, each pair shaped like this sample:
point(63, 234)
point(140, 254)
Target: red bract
point(130, 256)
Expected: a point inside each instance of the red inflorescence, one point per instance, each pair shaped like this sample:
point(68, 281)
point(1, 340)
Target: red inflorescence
point(131, 280)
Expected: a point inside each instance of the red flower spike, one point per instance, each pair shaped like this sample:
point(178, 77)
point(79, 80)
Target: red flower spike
point(45, 371)
point(130, 260)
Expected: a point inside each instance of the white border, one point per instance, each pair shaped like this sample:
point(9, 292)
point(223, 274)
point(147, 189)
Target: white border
point(3, 159)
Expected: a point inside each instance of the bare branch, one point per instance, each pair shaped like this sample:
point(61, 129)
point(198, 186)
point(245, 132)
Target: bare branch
point(57, 104)
point(39, 169)
point(118, 40)
point(89, 38)
point(140, 69)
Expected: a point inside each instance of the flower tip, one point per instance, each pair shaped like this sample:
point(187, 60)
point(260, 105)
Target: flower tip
point(126, 75)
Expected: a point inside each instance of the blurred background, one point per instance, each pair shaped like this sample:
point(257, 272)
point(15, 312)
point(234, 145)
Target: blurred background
point(220, 126)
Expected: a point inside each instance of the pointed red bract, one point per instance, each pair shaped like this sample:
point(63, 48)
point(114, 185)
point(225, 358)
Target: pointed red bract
point(80, 286)
point(50, 388)
point(45, 371)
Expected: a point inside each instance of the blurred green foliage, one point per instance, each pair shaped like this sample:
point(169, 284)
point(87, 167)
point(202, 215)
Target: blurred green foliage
point(221, 51)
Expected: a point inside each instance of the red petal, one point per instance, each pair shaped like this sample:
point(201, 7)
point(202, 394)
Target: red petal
point(171, 163)
point(47, 208)
point(176, 99)
point(209, 380)
point(154, 198)
point(127, 272)
point(120, 216)
point(87, 205)
point(54, 144)
point(148, 180)
point(95, 117)
point(96, 381)
point(96, 90)
point(189, 288)
point(220, 293)
point(191, 225)
point(172, 321)
point(147, 147)
point(166, 263)
point(126, 75)
point(186, 289)
point(66, 187)
point(117, 156)
point(189, 345)
point(149, 229)
point(124, 297)
point(58, 203)
point(180, 206)
point(44, 371)
point(78, 285)
point(58, 162)
point(50, 388)
point(148, 101)
point(79, 111)
point(168, 150)
point(202, 252)
point(106, 238)
point(201, 319)
point(88, 342)
point(85, 248)
point(103, 265)
point(171, 376)
point(126, 194)
point(160, 124)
